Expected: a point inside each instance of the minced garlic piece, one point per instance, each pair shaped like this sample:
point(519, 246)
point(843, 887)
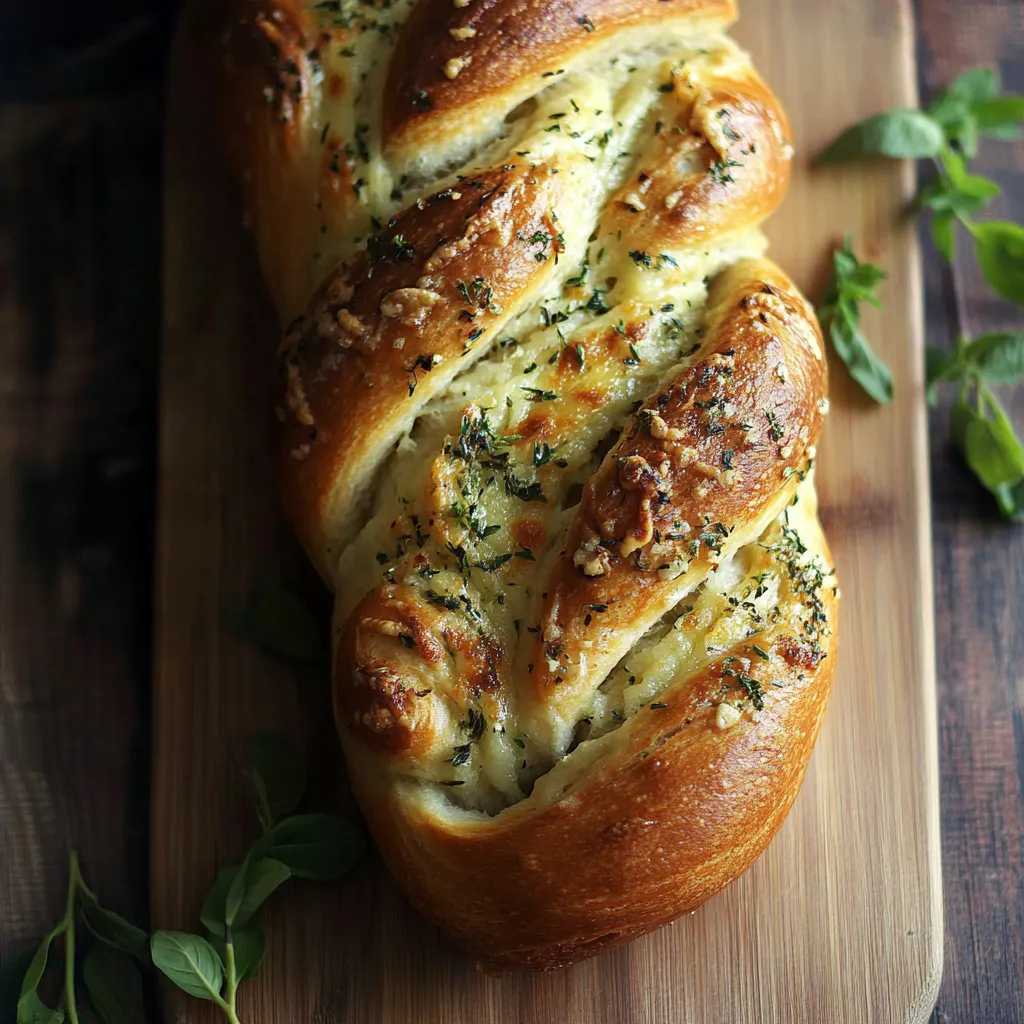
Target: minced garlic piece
point(726, 717)
point(455, 65)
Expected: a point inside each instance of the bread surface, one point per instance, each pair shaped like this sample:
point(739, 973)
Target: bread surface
point(547, 426)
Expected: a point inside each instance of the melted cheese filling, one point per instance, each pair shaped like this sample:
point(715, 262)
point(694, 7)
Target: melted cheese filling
point(484, 486)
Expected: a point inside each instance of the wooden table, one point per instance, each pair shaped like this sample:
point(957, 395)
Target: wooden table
point(79, 312)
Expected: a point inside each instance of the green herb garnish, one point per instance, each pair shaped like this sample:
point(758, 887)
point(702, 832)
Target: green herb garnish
point(319, 847)
point(851, 283)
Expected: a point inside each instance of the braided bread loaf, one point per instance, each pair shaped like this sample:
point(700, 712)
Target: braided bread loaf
point(547, 426)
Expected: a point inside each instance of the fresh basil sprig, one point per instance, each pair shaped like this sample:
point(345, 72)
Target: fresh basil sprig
point(948, 132)
point(851, 283)
point(113, 948)
point(979, 426)
point(318, 847)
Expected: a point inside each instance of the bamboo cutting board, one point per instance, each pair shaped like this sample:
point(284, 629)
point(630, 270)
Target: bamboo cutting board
point(841, 919)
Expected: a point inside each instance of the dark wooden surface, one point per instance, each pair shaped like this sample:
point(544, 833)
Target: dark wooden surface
point(979, 584)
point(80, 131)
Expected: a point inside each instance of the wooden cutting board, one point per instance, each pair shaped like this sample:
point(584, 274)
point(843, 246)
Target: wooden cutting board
point(841, 919)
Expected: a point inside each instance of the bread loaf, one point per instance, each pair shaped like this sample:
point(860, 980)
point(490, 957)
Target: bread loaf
point(547, 426)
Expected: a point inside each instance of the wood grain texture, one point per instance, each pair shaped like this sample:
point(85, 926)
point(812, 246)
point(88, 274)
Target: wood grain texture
point(979, 577)
point(841, 918)
point(78, 289)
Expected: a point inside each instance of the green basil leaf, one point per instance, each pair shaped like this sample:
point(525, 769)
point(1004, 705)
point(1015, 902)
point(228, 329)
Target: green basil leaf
point(994, 452)
point(1011, 500)
point(954, 115)
point(944, 233)
point(902, 134)
point(114, 985)
point(250, 946)
point(113, 929)
point(940, 365)
point(958, 191)
point(961, 417)
point(845, 262)
point(254, 884)
point(998, 357)
point(189, 961)
point(12, 974)
point(954, 109)
point(31, 1009)
point(853, 276)
point(214, 911)
point(999, 246)
point(279, 620)
point(319, 847)
point(865, 367)
point(1000, 117)
point(975, 85)
point(967, 138)
point(278, 771)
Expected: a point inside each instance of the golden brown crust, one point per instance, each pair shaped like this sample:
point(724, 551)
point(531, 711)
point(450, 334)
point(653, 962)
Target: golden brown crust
point(586, 620)
point(717, 165)
point(689, 481)
point(456, 64)
point(395, 698)
point(391, 328)
point(675, 809)
point(262, 58)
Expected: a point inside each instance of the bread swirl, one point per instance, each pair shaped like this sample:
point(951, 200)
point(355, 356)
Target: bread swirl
point(547, 426)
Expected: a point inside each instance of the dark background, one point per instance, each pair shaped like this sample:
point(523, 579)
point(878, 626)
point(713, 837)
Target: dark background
point(80, 209)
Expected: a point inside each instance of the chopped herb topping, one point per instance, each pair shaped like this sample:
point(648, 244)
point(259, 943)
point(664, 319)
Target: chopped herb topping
point(538, 394)
point(719, 172)
point(776, 430)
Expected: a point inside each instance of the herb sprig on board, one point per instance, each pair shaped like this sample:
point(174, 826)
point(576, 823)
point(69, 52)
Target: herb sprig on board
point(947, 132)
point(851, 283)
point(210, 966)
point(979, 426)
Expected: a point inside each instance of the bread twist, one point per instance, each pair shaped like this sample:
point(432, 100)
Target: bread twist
point(547, 428)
